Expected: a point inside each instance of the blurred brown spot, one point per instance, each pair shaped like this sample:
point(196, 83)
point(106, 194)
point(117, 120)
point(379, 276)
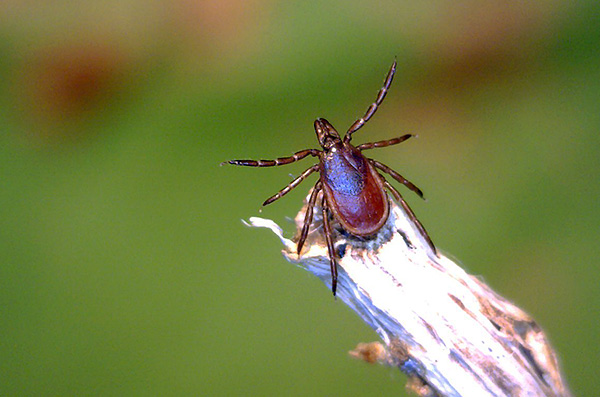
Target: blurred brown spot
point(477, 41)
point(469, 49)
point(67, 82)
point(219, 24)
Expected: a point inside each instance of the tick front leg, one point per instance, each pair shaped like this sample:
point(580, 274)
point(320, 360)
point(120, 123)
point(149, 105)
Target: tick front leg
point(291, 185)
point(308, 216)
point(396, 176)
point(280, 161)
point(388, 142)
point(330, 249)
point(373, 108)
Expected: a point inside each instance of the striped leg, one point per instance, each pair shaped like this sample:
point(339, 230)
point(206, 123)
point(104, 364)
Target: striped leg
point(291, 185)
point(309, 215)
point(410, 213)
point(280, 161)
point(389, 142)
point(373, 108)
point(396, 176)
point(330, 248)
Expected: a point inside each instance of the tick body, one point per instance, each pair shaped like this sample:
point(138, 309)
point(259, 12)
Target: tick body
point(353, 189)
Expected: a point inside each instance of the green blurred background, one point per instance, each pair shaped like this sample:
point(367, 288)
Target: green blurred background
point(124, 266)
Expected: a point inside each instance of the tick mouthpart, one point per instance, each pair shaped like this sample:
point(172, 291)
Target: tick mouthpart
point(326, 134)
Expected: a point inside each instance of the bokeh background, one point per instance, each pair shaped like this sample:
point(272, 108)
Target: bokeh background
point(124, 266)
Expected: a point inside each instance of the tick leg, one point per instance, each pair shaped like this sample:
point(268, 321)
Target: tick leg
point(373, 108)
point(291, 185)
point(308, 216)
point(389, 142)
point(330, 249)
point(409, 212)
point(280, 161)
point(396, 176)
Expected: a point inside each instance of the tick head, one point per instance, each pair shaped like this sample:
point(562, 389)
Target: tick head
point(326, 134)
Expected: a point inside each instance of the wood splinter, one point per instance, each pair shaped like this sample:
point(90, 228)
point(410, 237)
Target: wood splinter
point(448, 331)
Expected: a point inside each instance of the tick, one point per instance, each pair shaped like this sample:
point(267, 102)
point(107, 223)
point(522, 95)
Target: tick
point(352, 186)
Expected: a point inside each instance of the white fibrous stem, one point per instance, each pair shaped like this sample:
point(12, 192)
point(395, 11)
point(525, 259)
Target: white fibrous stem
point(447, 330)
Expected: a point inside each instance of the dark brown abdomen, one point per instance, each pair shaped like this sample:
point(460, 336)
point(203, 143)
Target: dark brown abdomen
point(354, 191)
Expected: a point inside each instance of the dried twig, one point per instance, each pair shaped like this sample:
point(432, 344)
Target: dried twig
point(448, 331)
